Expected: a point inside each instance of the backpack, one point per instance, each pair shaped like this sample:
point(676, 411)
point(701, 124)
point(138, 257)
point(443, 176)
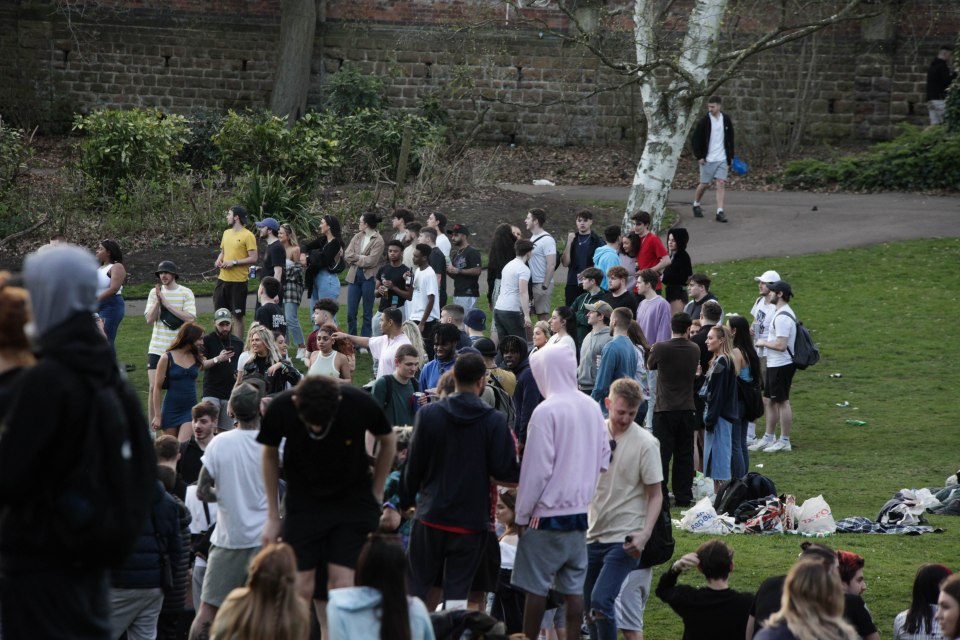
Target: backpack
point(502, 401)
point(760, 485)
point(660, 546)
point(109, 495)
point(805, 353)
point(731, 496)
point(388, 393)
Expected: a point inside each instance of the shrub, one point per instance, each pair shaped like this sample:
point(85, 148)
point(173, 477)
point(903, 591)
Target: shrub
point(372, 140)
point(14, 154)
point(352, 91)
point(199, 152)
point(916, 160)
point(141, 143)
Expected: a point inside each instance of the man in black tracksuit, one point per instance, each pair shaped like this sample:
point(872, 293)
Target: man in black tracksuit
point(713, 148)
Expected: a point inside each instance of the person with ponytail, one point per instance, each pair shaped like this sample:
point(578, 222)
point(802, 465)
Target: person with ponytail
point(378, 607)
point(811, 607)
point(268, 606)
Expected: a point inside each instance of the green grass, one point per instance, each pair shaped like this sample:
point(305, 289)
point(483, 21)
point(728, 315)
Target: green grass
point(882, 318)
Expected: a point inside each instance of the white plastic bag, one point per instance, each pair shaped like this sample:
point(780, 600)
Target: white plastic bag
point(816, 516)
point(702, 518)
point(702, 487)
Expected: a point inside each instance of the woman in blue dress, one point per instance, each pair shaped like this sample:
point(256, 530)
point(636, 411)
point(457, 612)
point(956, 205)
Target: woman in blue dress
point(179, 367)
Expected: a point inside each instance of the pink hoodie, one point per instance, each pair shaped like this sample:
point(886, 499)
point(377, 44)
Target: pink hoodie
point(568, 444)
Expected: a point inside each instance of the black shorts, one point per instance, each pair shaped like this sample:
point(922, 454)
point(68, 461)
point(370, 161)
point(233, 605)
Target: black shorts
point(152, 361)
point(487, 577)
point(676, 292)
point(332, 536)
point(232, 296)
point(779, 380)
point(435, 555)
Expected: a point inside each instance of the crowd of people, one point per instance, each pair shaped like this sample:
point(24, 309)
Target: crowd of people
point(513, 462)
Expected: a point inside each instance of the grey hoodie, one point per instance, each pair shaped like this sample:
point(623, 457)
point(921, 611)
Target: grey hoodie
point(62, 281)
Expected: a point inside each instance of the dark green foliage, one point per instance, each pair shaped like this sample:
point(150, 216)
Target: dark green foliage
point(352, 91)
point(199, 152)
point(916, 160)
point(271, 195)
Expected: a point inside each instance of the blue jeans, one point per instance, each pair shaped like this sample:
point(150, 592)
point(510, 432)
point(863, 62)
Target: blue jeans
point(294, 332)
point(325, 285)
point(608, 565)
point(112, 310)
point(365, 288)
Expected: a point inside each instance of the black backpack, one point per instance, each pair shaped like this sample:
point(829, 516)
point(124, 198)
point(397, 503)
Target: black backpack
point(109, 494)
point(805, 353)
point(731, 496)
point(660, 546)
point(760, 485)
point(388, 393)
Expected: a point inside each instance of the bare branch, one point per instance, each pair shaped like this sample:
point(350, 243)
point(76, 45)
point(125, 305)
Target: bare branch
point(19, 234)
point(580, 96)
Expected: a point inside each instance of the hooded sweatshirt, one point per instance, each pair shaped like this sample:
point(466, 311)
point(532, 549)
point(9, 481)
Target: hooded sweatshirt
point(62, 281)
point(355, 612)
point(567, 443)
point(526, 397)
point(604, 258)
point(458, 444)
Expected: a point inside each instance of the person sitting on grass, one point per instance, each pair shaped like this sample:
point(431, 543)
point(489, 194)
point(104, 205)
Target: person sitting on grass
point(714, 611)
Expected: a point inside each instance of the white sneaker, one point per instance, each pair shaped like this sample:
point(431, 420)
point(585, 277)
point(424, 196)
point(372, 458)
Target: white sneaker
point(751, 442)
point(760, 445)
point(301, 353)
point(779, 445)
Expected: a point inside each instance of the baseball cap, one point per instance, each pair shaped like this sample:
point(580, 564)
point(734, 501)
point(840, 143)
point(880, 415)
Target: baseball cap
point(222, 315)
point(781, 286)
point(462, 351)
point(245, 402)
point(486, 347)
point(768, 277)
point(460, 228)
point(270, 223)
point(600, 307)
point(476, 319)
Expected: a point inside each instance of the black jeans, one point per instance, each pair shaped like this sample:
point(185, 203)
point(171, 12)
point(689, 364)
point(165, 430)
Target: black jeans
point(509, 323)
point(674, 430)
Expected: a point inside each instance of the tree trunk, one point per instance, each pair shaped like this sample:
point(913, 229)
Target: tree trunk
point(298, 26)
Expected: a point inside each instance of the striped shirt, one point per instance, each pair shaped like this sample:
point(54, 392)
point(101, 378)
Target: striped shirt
point(179, 298)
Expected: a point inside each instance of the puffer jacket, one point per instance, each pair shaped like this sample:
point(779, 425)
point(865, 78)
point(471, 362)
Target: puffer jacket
point(142, 569)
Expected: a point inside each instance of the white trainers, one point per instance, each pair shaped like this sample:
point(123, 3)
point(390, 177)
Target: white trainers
point(779, 445)
point(761, 444)
point(301, 353)
point(751, 442)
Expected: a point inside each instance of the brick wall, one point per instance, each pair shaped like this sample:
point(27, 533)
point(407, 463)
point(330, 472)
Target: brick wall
point(854, 81)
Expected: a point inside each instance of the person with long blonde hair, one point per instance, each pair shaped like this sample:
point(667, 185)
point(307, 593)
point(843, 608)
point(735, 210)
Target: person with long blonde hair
point(722, 408)
point(268, 606)
point(412, 331)
point(811, 607)
point(259, 355)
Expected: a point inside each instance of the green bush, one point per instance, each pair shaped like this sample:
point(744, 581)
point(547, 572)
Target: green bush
point(141, 143)
point(178, 206)
point(272, 195)
point(256, 141)
point(916, 160)
point(352, 91)
point(371, 142)
point(199, 152)
point(14, 154)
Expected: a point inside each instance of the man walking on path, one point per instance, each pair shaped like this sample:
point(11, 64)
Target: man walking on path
point(713, 148)
point(780, 345)
point(674, 417)
point(543, 262)
point(578, 253)
point(238, 250)
point(939, 78)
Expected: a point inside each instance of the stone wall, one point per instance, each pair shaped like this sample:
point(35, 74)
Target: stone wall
point(856, 81)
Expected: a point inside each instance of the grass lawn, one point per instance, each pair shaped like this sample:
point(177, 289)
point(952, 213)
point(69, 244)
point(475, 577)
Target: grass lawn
point(881, 319)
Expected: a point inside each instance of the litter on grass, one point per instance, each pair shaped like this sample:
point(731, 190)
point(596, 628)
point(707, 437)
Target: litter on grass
point(855, 423)
point(843, 404)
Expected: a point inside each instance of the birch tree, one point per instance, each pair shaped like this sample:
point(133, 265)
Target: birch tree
point(676, 70)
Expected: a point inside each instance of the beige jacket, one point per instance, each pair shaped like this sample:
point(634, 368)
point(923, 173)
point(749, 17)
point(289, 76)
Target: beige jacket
point(370, 260)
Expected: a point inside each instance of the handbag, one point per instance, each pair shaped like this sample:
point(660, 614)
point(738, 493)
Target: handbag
point(201, 544)
point(339, 265)
point(171, 321)
point(660, 546)
point(751, 397)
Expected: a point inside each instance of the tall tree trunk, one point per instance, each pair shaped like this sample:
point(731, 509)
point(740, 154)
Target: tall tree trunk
point(291, 81)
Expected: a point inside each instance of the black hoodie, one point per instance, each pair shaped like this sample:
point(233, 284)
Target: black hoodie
point(458, 444)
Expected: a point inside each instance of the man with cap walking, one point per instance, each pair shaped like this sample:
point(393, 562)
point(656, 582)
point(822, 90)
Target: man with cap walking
point(169, 305)
point(779, 345)
point(465, 268)
point(762, 313)
point(238, 250)
point(220, 378)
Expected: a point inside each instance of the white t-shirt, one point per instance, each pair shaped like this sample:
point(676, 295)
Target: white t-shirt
point(384, 350)
point(543, 245)
point(716, 151)
point(513, 273)
point(443, 243)
point(180, 298)
point(619, 505)
point(198, 522)
point(424, 286)
point(762, 313)
point(233, 460)
point(782, 326)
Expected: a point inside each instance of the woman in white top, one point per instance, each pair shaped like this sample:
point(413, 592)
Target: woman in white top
point(918, 622)
point(110, 278)
point(329, 362)
point(563, 322)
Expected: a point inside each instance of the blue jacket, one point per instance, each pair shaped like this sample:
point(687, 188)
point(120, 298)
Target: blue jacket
point(526, 397)
point(432, 371)
point(603, 259)
point(617, 360)
point(354, 614)
point(458, 444)
point(142, 568)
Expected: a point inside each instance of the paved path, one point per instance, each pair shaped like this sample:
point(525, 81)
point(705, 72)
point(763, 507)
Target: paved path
point(780, 223)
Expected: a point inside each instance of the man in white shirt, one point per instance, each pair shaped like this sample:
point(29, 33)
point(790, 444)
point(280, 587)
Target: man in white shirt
point(762, 313)
point(511, 313)
point(543, 262)
point(425, 303)
point(383, 347)
point(712, 144)
point(438, 221)
point(624, 508)
point(779, 344)
point(231, 478)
